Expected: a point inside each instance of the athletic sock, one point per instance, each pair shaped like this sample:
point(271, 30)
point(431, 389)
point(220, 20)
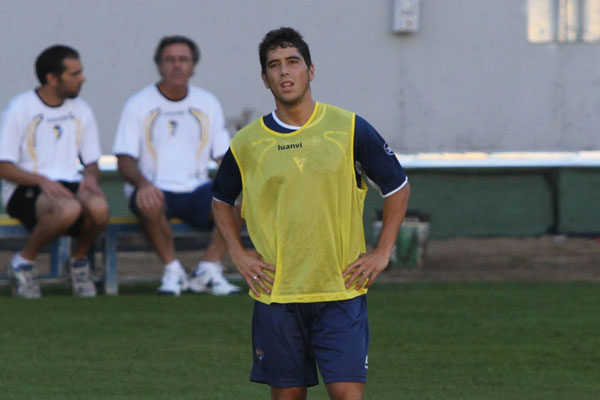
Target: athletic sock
point(174, 264)
point(18, 259)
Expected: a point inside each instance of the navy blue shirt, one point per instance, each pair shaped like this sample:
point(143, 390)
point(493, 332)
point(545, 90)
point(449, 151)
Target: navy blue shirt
point(372, 155)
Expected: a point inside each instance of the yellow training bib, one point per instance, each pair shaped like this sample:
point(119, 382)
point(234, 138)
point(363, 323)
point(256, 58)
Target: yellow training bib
point(301, 203)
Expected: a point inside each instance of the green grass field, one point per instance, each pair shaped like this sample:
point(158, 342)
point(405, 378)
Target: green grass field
point(428, 341)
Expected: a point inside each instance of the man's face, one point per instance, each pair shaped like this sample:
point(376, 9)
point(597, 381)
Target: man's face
point(69, 82)
point(176, 65)
point(287, 75)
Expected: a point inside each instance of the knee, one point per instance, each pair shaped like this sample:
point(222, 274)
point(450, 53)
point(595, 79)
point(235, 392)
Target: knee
point(151, 212)
point(346, 391)
point(68, 212)
point(293, 393)
point(98, 211)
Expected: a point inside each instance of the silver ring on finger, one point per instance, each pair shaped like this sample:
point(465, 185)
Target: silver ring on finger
point(255, 277)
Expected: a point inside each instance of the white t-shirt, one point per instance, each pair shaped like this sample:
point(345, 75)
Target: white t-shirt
point(172, 141)
point(46, 140)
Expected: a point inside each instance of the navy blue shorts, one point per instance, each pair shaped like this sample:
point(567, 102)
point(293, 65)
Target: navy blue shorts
point(194, 208)
point(290, 340)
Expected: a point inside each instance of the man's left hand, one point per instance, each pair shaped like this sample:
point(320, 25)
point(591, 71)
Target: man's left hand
point(366, 269)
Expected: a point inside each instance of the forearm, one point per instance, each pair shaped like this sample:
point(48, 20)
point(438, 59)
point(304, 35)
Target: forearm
point(394, 210)
point(249, 263)
point(11, 172)
point(130, 172)
point(367, 267)
point(91, 170)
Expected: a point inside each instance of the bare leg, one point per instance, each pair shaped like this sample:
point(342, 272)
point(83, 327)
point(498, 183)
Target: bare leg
point(293, 393)
point(346, 390)
point(95, 218)
point(217, 248)
point(159, 232)
point(55, 217)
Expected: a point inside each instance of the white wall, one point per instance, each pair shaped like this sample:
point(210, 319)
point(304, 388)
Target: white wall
point(468, 81)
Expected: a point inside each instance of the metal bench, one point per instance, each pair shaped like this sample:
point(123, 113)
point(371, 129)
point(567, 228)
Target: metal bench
point(118, 227)
point(131, 226)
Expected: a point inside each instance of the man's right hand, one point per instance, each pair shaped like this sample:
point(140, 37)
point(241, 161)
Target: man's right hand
point(253, 268)
point(54, 190)
point(149, 197)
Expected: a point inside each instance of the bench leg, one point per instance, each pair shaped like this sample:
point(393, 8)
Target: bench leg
point(111, 286)
point(60, 253)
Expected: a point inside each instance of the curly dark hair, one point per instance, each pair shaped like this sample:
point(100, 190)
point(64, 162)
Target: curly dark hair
point(51, 61)
point(282, 37)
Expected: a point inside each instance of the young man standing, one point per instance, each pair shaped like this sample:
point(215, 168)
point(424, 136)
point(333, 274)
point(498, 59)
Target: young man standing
point(167, 134)
point(300, 170)
point(43, 135)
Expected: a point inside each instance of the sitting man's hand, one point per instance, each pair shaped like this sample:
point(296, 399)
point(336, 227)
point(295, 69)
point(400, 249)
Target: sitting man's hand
point(149, 197)
point(54, 190)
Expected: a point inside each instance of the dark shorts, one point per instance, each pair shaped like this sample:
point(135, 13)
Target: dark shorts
point(22, 206)
point(290, 340)
point(194, 208)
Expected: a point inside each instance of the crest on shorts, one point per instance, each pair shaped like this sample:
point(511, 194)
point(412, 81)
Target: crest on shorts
point(260, 355)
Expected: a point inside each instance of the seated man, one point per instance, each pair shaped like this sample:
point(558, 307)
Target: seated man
point(44, 133)
point(167, 134)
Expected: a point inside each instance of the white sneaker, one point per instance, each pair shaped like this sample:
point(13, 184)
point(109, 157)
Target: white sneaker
point(174, 280)
point(24, 280)
point(82, 279)
point(208, 277)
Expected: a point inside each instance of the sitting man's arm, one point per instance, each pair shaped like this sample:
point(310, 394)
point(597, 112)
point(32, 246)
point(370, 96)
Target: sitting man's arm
point(148, 195)
point(91, 175)
point(50, 188)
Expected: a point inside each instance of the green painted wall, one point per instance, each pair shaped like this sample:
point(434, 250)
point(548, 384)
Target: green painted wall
point(482, 202)
point(112, 185)
point(579, 201)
